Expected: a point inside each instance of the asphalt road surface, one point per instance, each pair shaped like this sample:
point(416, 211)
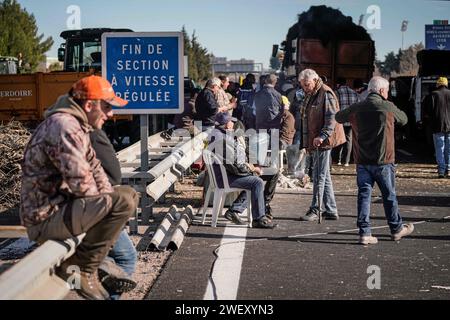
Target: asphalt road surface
point(307, 261)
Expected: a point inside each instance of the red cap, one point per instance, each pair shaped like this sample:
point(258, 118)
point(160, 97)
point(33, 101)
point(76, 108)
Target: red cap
point(96, 88)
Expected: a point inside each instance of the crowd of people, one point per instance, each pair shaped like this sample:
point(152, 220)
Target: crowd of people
point(71, 183)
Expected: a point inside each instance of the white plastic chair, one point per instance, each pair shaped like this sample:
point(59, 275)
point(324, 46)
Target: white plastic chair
point(220, 194)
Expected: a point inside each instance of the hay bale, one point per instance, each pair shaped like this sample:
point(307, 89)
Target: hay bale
point(13, 139)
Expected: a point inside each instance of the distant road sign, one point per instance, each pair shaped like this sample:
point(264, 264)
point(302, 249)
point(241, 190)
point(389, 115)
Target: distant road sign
point(437, 37)
point(147, 69)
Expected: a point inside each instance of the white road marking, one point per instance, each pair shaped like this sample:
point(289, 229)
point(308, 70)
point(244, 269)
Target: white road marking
point(226, 274)
point(227, 269)
point(441, 287)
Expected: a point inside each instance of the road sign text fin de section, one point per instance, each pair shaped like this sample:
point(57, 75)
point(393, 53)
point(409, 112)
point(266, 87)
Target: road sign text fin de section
point(146, 69)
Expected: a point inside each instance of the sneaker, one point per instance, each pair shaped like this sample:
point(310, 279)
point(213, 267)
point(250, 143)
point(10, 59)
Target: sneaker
point(366, 240)
point(311, 215)
point(406, 230)
point(441, 176)
point(263, 223)
point(347, 165)
point(234, 217)
point(339, 163)
point(113, 278)
point(330, 216)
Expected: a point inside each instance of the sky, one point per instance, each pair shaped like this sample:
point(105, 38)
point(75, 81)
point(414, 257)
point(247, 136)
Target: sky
point(238, 29)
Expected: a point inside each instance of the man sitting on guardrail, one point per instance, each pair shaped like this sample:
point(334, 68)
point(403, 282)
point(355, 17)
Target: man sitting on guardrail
point(116, 270)
point(65, 191)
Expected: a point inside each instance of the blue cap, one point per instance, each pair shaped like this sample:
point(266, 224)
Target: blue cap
point(223, 118)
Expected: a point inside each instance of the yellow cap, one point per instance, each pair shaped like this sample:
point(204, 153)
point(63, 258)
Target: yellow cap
point(285, 100)
point(442, 81)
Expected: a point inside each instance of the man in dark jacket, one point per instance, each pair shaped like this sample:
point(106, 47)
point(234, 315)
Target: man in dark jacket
point(116, 270)
point(206, 104)
point(244, 110)
point(269, 106)
point(321, 134)
point(373, 122)
point(438, 113)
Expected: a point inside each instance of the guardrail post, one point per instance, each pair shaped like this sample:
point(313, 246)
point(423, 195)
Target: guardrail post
point(145, 210)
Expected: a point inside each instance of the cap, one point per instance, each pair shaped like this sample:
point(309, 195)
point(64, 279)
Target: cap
point(216, 82)
point(285, 101)
point(223, 118)
point(442, 81)
point(96, 88)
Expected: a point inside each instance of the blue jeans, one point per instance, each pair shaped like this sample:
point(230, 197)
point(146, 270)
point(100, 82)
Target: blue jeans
point(124, 255)
point(442, 147)
point(256, 185)
point(240, 204)
point(323, 186)
point(384, 176)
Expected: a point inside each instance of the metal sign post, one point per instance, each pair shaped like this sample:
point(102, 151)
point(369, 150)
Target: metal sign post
point(146, 211)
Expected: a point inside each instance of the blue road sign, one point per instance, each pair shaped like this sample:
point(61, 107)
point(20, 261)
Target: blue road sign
point(146, 69)
point(437, 37)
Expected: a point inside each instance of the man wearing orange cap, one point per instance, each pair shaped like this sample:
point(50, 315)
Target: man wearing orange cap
point(65, 191)
point(438, 112)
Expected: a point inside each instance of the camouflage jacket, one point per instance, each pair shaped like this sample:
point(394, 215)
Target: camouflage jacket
point(59, 164)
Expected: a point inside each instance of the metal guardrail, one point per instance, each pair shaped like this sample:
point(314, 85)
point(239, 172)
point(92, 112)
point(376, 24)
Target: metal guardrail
point(34, 277)
point(174, 157)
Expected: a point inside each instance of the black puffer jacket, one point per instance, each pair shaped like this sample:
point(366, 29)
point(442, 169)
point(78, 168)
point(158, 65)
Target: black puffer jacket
point(438, 110)
point(107, 155)
point(206, 107)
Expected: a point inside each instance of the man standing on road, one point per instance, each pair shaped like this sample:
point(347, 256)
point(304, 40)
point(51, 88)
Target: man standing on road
point(373, 122)
point(269, 106)
point(347, 97)
point(65, 191)
point(321, 134)
point(438, 113)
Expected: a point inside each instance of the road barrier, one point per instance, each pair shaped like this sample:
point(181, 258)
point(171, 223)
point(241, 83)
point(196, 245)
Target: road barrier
point(34, 276)
point(170, 233)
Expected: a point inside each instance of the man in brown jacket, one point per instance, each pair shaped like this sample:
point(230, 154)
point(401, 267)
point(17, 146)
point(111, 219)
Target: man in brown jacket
point(287, 131)
point(65, 191)
point(321, 134)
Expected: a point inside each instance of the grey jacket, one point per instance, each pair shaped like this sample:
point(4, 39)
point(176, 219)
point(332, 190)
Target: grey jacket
point(269, 108)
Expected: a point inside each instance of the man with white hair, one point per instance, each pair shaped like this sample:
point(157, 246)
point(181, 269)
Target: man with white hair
point(373, 122)
point(206, 104)
point(320, 135)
